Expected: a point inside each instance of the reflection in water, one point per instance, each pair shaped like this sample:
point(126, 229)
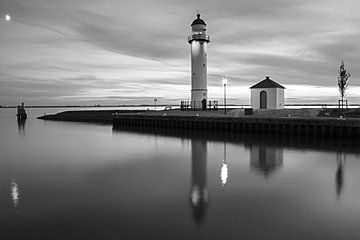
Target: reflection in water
point(224, 169)
point(266, 158)
point(266, 154)
point(14, 190)
point(224, 173)
point(199, 194)
point(339, 178)
point(21, 126)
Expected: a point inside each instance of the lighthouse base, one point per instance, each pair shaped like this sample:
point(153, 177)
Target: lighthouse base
point(198, 99)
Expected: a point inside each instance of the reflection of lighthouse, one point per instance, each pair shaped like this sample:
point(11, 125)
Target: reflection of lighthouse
point(199, 193)
point(198, 41)
point(265, 158)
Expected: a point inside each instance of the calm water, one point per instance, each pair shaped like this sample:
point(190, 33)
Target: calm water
point(61, 180)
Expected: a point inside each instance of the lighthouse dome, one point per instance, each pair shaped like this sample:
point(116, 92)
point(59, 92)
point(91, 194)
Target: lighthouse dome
point(198, 21)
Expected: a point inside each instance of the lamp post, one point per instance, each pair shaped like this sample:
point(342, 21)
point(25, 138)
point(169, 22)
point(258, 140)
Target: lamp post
point(155, 100)
point(225, 82)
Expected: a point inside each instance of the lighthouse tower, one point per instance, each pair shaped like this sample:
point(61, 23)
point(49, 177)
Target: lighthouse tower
point(198, 41)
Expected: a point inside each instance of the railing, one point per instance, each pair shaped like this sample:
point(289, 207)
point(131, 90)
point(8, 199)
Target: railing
point(343, 104)
point(203, 37)
point(188, 105)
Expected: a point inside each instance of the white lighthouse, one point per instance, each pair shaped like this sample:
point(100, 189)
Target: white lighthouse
point(198, 41)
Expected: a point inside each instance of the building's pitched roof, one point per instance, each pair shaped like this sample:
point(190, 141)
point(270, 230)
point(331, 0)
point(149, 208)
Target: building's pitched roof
point(198, 20)
point(267, 83)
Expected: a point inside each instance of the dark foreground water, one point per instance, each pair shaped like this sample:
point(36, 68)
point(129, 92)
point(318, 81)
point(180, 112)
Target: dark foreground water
point(61, 180)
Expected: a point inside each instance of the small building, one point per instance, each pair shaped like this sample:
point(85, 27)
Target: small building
point(267, 94)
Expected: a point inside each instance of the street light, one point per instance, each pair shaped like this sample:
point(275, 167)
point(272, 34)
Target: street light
point(225, 82)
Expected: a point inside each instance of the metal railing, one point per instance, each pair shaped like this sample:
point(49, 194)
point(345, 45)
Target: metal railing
point(342, 104)
point(188, 105)
point(203, 37)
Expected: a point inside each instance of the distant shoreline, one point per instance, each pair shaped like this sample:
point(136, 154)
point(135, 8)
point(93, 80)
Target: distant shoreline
point(324, 105)
point(97, 106)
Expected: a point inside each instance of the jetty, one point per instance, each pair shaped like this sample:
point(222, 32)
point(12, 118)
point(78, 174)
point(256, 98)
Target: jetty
point(309, 122)
point(90, 116)
point(290, 125)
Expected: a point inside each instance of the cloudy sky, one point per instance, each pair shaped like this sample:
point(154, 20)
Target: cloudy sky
point(132, 51)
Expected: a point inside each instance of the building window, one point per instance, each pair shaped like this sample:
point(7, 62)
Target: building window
point(204, 65)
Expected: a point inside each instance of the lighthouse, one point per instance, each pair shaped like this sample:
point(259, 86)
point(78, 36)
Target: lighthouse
point(198, 41)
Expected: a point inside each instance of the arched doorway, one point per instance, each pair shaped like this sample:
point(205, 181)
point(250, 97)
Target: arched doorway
point(203, 104)
point(263, 100)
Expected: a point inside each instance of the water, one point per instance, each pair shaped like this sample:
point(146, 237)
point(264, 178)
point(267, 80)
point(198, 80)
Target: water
point(61, 180)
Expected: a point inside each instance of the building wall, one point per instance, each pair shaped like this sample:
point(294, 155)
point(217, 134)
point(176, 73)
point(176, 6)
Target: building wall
point(272, 98)
point(280, 99)
point(275, 98)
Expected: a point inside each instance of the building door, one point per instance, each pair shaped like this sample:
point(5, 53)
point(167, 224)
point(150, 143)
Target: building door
point(263, 100)
point(203, 103)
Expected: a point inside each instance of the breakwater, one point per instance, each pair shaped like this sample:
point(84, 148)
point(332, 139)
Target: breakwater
point(294, 126)
point(95, 116)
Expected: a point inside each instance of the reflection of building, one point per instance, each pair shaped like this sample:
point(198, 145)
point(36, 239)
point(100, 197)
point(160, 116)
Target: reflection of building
point(339, 178)
point(199, 193)
point(267, 94)
point(266, 158)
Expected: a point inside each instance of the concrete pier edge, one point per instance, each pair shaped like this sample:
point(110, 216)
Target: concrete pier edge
point(293, 126)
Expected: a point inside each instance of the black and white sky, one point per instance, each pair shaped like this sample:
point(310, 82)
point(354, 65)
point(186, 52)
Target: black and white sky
point(132, 51)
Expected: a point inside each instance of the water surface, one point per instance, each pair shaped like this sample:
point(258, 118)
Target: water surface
point(62, 180)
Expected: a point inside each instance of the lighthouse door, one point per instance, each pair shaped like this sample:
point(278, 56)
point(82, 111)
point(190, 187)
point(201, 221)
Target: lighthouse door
point(263, 100)
point(203, 103)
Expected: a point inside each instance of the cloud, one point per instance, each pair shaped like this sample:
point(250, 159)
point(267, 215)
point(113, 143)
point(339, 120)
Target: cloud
point(88, 51)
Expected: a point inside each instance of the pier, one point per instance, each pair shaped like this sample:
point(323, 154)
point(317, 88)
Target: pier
point(294, 126)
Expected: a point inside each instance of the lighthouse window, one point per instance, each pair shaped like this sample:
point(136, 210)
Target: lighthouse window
point(194, 74)
point(204, 65)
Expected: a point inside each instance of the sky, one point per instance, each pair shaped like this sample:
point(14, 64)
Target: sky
point(107, 52)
